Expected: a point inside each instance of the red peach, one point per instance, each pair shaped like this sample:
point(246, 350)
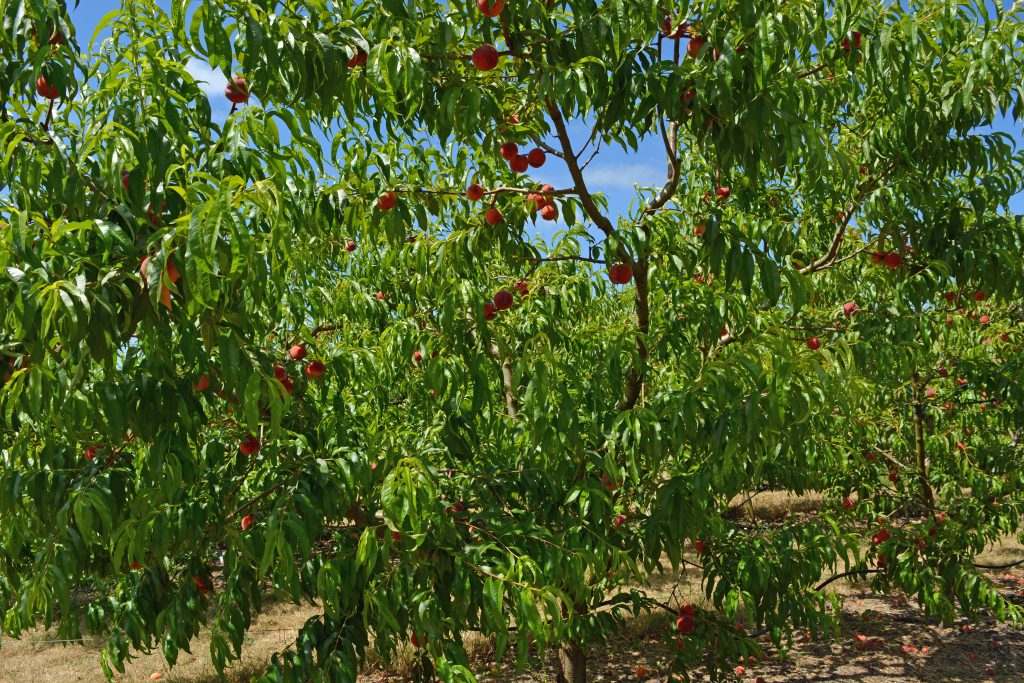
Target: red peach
point(695, 45)
point(45, 90)
point(490, 8)
point(492, 216)
point(250, 446)
point(485, 57)
point(519, 163)
point(620, 273)
point(503, 300)
point(685, 624)
point(509, 151)
point(387, 201)
point(237, 90)
point(358, 59)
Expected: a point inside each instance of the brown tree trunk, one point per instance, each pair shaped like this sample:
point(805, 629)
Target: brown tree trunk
point(922, 456)
point(572, 661)
point(508, 382)
point(635, 376)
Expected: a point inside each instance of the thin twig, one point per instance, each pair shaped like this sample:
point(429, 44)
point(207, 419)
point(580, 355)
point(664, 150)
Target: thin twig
point(545, 259)
point(546, 147)
point(49, 116)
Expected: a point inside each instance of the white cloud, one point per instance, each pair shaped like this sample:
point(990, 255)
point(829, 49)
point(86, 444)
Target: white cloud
point(210, 80)
point(624, 176)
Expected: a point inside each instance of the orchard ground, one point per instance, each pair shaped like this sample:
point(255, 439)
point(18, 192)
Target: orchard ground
point(884, 638)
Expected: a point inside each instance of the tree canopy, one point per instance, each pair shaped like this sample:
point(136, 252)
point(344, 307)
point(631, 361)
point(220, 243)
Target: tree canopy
point(312, 351)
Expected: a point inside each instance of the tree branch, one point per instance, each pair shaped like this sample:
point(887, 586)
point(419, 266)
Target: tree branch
point(593, 134)
point(321, 329)
point(49, 116)
point(507, 381)
point(574, 170)
point(635, 377)
point(546, 147)
point(922, 457)
point(833, 250)
point(546, 259)
point(641, 271)
point(593, 155)
point(672, 179)
point(812, 71)
point(258, 499)
point(852, 572)
point(493, 191)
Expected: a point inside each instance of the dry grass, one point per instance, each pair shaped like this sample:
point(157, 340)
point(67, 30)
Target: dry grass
point(773, 505)
point(26, 661)
point(932, 653)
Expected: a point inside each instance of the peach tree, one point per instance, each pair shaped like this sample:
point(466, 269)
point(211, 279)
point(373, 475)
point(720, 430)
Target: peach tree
point(310, 351)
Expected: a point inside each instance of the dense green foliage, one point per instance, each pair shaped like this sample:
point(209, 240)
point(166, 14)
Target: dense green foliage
point(518, 472)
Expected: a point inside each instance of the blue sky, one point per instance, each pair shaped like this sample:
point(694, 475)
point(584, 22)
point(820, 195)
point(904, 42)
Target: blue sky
point(614, 172)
